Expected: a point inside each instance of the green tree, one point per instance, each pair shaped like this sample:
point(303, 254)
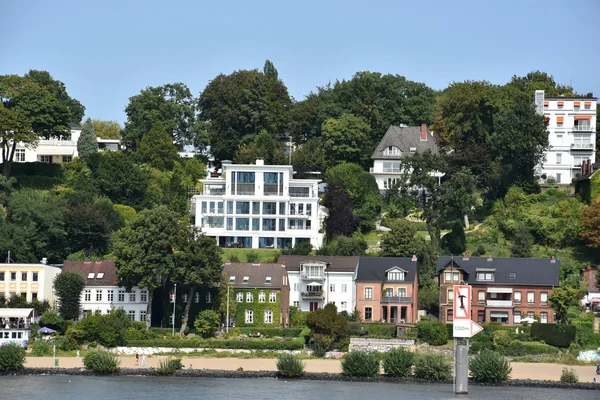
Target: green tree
point(346, 139)
point(107, 129)
point(326, 322)
point(75, 110)
point(355, 245)
point(270, 71)
point(263, 146)
point(309, 157)
point(68, 286)
point(339, 220)
point(522, 241)
point(198, 264)
point(561, 299)
point(87, 144)
point(157, 149)
point(455, 242)
point(207, 323)
point(539, 80)
point(172, 105)
point(400, 241)
point(145, 251)
point(87, 230)
point(590, 224)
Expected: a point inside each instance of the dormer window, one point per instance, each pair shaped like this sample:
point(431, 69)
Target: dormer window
point(485, 276)
point(232, 279)
point(245, 280)
point(392, 151)
point(268, 279)
point(91, 275)
point(395, 275)
point(100, 275)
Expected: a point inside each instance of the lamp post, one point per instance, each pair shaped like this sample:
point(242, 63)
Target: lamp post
point(227, 318)
point(174, 302)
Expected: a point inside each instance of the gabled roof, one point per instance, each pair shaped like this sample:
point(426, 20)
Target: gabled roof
point(87, 268)
point(75, 126)
point(334, 263)
point(257, 275)
point(374, 269)
point(405, 138)
point(527, 271)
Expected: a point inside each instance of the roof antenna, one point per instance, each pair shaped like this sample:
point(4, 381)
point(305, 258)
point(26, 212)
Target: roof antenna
point(8, 259)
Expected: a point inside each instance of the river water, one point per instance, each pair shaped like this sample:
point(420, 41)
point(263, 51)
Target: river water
point(167, 388)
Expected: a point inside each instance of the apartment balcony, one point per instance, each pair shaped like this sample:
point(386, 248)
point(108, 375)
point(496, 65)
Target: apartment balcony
point(273, 189)
point(245, 189)
point(395, 299)
point(583, 128)
point(56, 142)
point(312, 277)
point(499, 303)
point(312, 295)
point(300, 192)
point(582, 146)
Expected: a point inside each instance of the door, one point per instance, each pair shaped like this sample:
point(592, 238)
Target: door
point(314, 306)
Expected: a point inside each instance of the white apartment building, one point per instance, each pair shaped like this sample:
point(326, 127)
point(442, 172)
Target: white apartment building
point(259, 206)
point(34, 281)
point(54, 151)
point(102, 292)
point(571, 135)
point(319, 280)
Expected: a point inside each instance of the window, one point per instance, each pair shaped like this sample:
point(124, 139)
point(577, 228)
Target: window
point(449, 315)
point(401, 292)
point(282, 208)
point(518, 297)
point(256, 224)
point(67, 158)
point(249, 297)
point(558, 158)
point(20, 155)
point(368, 293)
point(268, 224)
point(530, 314)
point(203, 207)
point(448, 277)
point(242, 224)
point(229, 224)
point(131, 314)
point(344, 287)
point(143, 316)
point(239, 296)
point(256, 207)
point(100, 275)
point(110, 296)
point(282, 225)
point(296, 304)
point(530, 297)
point(269, 208)
point(13, 276)
point(272, 297)
point(481, 296)
point(91, 275)
point(485, 276)
point(244, 184)
point(450, 298)
point(262, 297)
point(249, 316)
point(245, 279)
point(392, 151)
point(392, 166)
point(46, 159)
point(24, 276)
point(211, 207)
point(143, 296)
point(544, 318)
point(98, 295)
point(242, 207)
point(208, 298)
point(395, 276)
point(343, 306)
point(512, 275)
point(268, 316)
point(332, 288)
point(87, 295)
point(230, 207)
point(295, 287)
point(33, 296)
point(132, 297)
point(558, 178)
point(2, 277)
point(544, 297)
point(197, 297)
point(517, 317)
point(368, 313)
point(499, 316)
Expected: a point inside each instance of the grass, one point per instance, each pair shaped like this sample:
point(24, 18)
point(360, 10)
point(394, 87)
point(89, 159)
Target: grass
point(373, 237)
point(264, 255)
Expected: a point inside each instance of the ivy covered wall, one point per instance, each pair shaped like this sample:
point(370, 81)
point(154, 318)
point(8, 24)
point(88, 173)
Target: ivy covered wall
point(258, 308)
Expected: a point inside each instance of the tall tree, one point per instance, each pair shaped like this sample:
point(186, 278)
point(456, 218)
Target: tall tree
point(68, 286)
point(455, 242)
point(522, 241)
point(87, 144)
point(241, 105)
point(270, 71)
point(400, 241)
point(156, 148)
point(171, 104)
point(539, 80)
point(107, 129)
point(198, 264)
point(590, 224)
point(87, 230)
point(340, 220)
point(561, 300)
point(309, 157)
point(347, 138)
point(145, 251)
point(75, 110)
point(262, 146)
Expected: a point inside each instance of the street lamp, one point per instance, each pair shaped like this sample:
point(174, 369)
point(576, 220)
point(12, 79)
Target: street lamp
point(174, 302)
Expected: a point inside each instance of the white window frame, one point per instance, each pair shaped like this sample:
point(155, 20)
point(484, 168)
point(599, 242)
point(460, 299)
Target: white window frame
point(530, 297)
point(368, 293)
point(544, 297)
point(87, 295)
point(143, 296)
point(544, 317)
point(518, 300)
point(249, 297)
point(239, 296)
point(344, 287)
point(249, 317)
point(99, 296)
point(143, 316)
point(132, 296)
point(343, 305)
point(273, 297)
point(517, 317)
point(110, 295)
point(262, 297)
point(197, 297)
point(121, 297)
point(332, 288)
point(208, 298)
point(131, 314)
point(268, 316)
point(20, 155)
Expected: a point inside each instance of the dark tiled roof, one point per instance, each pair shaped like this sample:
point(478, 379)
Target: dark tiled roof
point(95, 267)
point(334, 263)
point(257, 275)
point(527, 271)
point(372, 269)
point(404, 138)
point(74, 125)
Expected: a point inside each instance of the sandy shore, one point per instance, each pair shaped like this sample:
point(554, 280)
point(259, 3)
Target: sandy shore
point(520, 370)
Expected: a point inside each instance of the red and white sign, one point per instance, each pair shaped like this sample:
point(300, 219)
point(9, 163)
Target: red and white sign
point(462, 302)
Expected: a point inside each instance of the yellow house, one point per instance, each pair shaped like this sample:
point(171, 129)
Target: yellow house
point(35, 281)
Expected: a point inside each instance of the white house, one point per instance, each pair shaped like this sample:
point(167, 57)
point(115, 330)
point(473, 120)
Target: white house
point(319, 280)
point(102, 293)
point(34, 281)
point(54, 150)
point(571, 135)
point(397, 143)
point(15, 325)
point(259, 206)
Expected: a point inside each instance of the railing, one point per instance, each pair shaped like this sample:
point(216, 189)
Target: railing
point(396, 299)
point(583, 128)
point(299, 192)
point(499, 303)
point(313, 277)
point(295, 228)
point(214, 192)
point(245, 189)
point(312, 295)
point(271, 189)
point(584, 146)
point(46, 142)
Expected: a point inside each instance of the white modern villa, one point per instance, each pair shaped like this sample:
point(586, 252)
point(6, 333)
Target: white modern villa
point(571, 135)
point(259, 206)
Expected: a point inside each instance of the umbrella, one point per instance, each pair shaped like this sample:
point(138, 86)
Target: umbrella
point(46, 330)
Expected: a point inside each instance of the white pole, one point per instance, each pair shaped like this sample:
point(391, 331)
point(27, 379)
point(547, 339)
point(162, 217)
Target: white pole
point(290, 149)
point(174, 302)
point(227, 318)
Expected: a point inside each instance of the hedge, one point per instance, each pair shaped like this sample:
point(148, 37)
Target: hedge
point(553, 334)
point(220, 344)
point(273, 332)
point(518, 349)
point(380, 330)
point(35, 169)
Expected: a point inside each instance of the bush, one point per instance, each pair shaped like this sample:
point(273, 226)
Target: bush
point(102, 362)
point(41, 348)
point(490, 366)
point(569, 375)
point(169, 365)
point(360, 363)
point(398, 362)
point(252, 344)
point(481, 342)
point(321, 345)
point(54, 321)
point(274, 332)
point(518, 349)
point(12, 357)
point(108, 330)
point(290, 366)
point(433, 367)
point(501, 339)
point(432, 331)
point(557, 335)
point(252, 256)
point(380, 330)
point(207, 323)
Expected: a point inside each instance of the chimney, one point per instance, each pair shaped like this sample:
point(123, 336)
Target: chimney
point(490, 258)
point(589, 166)
point(45, 261)
point(466, 257)
point(414, 257)
point(260, 162)
point(423, 133)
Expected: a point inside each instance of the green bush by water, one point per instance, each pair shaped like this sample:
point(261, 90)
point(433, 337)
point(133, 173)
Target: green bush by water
point(433, 366)
point(490, 366)
point(12, 357)
point(398, 362)
point(360, 363)
point(169, 365)
point(290, 366)
point(569, 375)
point(41, 348)
point(102, 362)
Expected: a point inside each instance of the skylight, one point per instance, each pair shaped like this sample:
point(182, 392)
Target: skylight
point(268, 279)
point(100, 275)
point(231, 279)
point(91, 275)
point(246, 278)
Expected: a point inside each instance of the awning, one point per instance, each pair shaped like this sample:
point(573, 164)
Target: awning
point(498, 314)
point(499, 290)
point(578, 117)
point(16, 312)
point(560, 103)
point(314, 284)
point(577, 104)
point(560, 120)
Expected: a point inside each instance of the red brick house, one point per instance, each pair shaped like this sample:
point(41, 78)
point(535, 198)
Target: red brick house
point(505, 290)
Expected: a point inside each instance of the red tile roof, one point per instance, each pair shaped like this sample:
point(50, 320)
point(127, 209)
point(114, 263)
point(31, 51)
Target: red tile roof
point(86, 268)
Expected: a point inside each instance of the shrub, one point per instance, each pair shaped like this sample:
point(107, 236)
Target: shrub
point(53, 321)
point(102, 362)
point(557, 335)
point(481, 342)
point(518, 349)
point(12, 357)
point(252, 256)
point(41, 348)
point(220, 344)
point(207, 323)
point(433, 366)
point(360, 363)
point(569, 375)
point(168, 366)
point(490, 366)
point(273, 332)
point(321, 345)
point(433, 332)
point(290, 366)
point(501, 339)
point(380, 330)
point(398, 362)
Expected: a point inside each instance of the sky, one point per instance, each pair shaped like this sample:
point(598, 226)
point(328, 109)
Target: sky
point(107, 51)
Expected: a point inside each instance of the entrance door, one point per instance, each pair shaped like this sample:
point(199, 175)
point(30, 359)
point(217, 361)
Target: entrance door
point(314, 305)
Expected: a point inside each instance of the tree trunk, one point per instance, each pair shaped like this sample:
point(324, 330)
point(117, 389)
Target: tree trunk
point(186, 313)
point(466, 221)
point(149, 308)
point(8, 160)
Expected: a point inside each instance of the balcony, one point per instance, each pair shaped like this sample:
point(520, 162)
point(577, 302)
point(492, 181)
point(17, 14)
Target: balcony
point(56, 142)
point(300, 192)
point(312, 295)
point(499, 303)
point(583, 128)
point(272, 189)
point(582, 146)
point(245, 189)
point(395, 299)
point(311, 277)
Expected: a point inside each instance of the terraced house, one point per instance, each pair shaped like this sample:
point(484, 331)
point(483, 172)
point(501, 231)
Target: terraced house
point(505, 290)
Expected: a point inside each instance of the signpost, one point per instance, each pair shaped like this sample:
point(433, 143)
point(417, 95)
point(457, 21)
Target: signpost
point(463, 328)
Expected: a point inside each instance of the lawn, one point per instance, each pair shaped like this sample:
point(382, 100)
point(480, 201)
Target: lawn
point(241, 255)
